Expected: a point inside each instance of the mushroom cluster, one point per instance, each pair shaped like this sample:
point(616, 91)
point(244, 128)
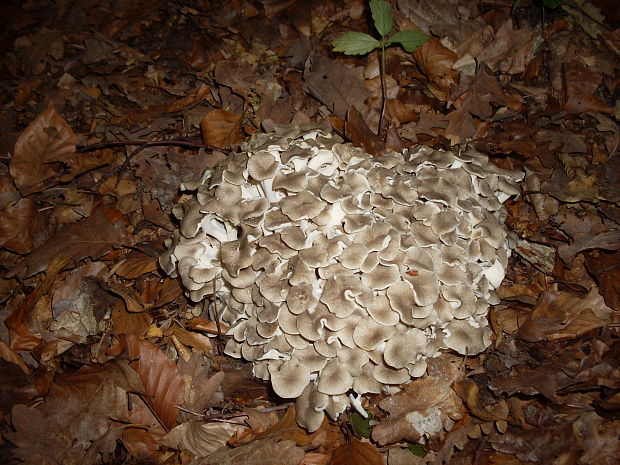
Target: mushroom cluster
point(338, 273)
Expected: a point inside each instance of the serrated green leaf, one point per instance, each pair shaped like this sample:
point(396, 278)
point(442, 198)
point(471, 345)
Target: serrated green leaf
point(410, 40)
point(360, 425)
point(355, 43)
point(382, 16)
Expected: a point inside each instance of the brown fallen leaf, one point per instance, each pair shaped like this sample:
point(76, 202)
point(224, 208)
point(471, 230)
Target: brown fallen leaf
point(203, 390)
point(335, 85)
point(609, 240)
point(20, 336)
point(436, 61)
point(265, 452)
point(163, 385)
point(424, 405)
point(42, 152)
point(460, 127)
point(16, 222)
point(580, 87)
point(77, 411)
point(360, 134)
point(221, 128)
point(564, 315)
point(469, 391)
point(201, 439)
point(606, 269)
point(357, 452)
point(17, 386)
point(39, 440)
point(194, 97)
point(287, 428)
point(135, 264)
point(92, 237)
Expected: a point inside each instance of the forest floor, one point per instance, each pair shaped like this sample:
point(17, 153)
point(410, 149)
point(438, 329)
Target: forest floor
point(108, 106)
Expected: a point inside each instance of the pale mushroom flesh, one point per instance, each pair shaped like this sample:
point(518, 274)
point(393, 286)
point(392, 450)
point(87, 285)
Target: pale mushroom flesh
point(310, 244)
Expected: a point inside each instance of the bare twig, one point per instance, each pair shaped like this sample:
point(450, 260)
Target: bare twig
point(148, 143)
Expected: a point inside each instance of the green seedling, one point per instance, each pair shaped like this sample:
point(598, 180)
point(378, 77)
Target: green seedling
point(358, 43)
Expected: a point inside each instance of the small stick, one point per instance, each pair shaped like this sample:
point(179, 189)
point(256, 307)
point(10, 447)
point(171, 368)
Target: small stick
point(148, 143)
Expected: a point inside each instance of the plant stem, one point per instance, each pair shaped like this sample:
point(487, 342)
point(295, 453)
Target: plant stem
point(383, 96)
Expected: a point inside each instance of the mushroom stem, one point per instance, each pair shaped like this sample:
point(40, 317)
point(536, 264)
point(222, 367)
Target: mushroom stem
point(356, 402)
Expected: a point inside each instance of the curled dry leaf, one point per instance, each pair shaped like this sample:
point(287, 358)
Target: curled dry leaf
point(201, 439)
point(436, 62)
point(423, 407)
point(564, 315)
point(469, 391)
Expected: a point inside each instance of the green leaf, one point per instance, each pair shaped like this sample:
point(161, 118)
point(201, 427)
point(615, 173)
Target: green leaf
point(360, 425)
point(355, 43)
point(382, 16)
point(416, 449)
point(410, 40)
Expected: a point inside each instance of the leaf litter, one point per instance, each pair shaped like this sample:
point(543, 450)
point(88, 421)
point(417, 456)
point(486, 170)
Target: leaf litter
point(103, 360)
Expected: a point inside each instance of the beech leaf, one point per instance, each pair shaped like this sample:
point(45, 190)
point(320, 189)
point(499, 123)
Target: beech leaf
point(163, 385)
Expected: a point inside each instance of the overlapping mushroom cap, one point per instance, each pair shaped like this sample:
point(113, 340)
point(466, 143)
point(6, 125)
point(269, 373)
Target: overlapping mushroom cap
point(339, 273)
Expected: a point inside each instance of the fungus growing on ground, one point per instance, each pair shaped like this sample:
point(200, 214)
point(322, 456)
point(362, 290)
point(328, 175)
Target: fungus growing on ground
point(340, 274)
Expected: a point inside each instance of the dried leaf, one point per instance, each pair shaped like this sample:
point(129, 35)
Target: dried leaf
point(135, 264)
point(436, 62)
point(221, 128)
point(265, 452)
point(17, 386)
point(41, 153)
point(20, 336)
point(423, 407)
point(460, 126)
point(565, 315)
point(360, 134)
point(77, 411)
point(580, 86)
point(163, 385)
point(83, 402)
point(358, 453)
point(15, 226)
point(606, 269)
point(39, 440)
point(469, 391)
point(335, 85)
point(200, 387)
point(92, 237)
point(609, 240)
point(201, 439)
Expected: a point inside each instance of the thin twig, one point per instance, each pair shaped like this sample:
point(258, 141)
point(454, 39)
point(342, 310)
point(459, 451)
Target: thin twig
point(383, 93)
point(148, 143)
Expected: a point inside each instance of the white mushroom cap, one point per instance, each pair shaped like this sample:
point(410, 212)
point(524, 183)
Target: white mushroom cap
point(340, 273)
point(288, 378)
